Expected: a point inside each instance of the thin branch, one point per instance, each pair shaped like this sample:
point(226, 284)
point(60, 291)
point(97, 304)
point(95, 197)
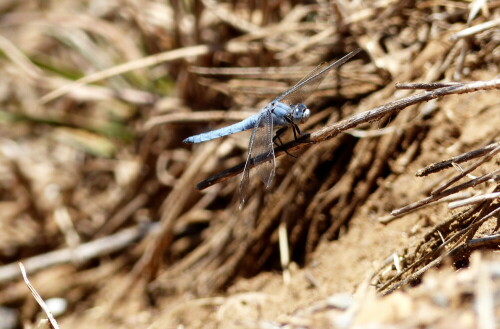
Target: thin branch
point(474, 199)
point(442, 194)
point(453, 197)
point(38, 298)
point(152, 60)
point(425, 85)
point(229, 17)
point(81, 253)
point(331, 131)
point(484, 242)
point(476, 29)
point(202, 116)
point(467, 171)
point(435, 167)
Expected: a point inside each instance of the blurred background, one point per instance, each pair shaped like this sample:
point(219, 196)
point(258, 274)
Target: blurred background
point(97, 190)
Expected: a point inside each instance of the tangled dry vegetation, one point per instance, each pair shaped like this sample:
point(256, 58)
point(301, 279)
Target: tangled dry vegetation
point(98, 194)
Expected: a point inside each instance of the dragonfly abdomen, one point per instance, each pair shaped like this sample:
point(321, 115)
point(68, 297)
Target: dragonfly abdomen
point(246, 124)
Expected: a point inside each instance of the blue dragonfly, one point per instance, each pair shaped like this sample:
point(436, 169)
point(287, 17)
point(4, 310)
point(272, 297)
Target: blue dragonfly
point(285, 111)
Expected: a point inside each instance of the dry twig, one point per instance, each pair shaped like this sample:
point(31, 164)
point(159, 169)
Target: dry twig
point(82, 253)
point(38, 298)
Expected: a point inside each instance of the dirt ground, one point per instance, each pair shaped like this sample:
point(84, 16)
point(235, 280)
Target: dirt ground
point(384, 215)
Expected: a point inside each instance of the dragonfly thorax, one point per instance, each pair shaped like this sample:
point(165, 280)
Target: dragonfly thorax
point(300, 113)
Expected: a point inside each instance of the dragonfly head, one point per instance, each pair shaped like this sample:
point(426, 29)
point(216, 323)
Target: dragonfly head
point(300, 113)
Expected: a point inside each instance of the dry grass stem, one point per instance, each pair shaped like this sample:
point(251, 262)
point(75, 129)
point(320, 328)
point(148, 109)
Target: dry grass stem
point(80, 254)
point(38, 298)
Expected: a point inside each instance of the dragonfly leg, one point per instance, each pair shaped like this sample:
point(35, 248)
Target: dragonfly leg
point(280, 132)
point(295, 128)
point(296, 131)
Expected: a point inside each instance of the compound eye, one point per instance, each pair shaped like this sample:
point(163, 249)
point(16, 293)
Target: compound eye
point(300, 108)
point(306, 115)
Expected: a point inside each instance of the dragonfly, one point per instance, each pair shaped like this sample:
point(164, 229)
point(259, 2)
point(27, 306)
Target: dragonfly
point(284, 112)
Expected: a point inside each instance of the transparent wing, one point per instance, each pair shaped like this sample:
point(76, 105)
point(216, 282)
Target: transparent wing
point(299, 95)
point(263, 146)
point(308, 84)
point(260, 146)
